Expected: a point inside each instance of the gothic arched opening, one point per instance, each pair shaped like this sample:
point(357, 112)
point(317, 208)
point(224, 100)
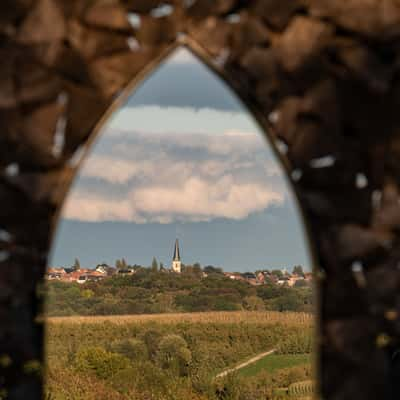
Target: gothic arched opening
point(182, 158)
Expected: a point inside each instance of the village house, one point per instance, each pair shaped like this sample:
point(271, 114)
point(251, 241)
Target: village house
point(55, 274)
point(308, 277)
point(284, 280)
point(266, 277)
point(234, 276)
point(106, 269)
point(261, 277)
point(248, 277)
point(294, 278)
point(251, 278)
point(125, 272)
point(102, 268)
point(91, 276)
point(72, 275)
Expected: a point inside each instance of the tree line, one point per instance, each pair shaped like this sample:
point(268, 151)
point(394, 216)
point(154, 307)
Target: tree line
point(151, 290)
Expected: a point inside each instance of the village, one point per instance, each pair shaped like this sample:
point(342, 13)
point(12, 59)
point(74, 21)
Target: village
point(103, 271)
point(261, 277)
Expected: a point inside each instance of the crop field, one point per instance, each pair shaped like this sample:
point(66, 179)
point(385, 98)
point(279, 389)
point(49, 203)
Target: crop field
point(259, 317)
point(176, 356)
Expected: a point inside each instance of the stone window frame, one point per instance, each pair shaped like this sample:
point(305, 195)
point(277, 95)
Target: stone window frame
point(321, 79)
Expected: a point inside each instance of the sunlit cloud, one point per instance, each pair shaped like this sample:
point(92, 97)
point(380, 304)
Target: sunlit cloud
point(111, 169)
point(199, 200)
point(85, 206)
point(161, 178)
point(196, 201)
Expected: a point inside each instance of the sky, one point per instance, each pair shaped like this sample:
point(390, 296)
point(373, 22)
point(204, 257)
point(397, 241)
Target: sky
point(181, 159)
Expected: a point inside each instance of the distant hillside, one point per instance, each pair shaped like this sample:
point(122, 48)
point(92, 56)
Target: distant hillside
point(149, 292)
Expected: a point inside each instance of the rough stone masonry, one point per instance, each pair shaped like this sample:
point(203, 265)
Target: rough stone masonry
point(321, 77)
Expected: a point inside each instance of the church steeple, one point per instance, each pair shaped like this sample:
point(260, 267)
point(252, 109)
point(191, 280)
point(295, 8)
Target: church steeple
point(176, 261)
point(177, 256)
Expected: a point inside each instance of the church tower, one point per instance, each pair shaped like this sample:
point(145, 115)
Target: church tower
point(176, 261)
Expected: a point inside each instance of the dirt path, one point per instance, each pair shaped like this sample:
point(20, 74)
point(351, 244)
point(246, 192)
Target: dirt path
point(246, 363)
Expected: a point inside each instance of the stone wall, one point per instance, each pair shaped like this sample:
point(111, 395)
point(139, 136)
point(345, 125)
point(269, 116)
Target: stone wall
point(321, 77)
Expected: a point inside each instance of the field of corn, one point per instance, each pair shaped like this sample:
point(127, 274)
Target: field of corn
point(259, 317)
point(172, 356)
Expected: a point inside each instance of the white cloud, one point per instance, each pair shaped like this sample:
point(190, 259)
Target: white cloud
point(110, 169)
point(241, 134)
point(197, 200)
point(91, 207)
point(164, 178)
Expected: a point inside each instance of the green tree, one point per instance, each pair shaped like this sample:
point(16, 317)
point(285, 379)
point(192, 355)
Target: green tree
point(267, 292)
point(290, 301)
point(154, 265)
point(229, 388)
point(173, 353)
point(152, 339)
point(298, 269)
point(77, 265)
point(134, 349)
point(118, 264)
point(210, 269)
point(197, 269)
point(278, 273)
point(253, 303)
point(124, 265)
point(301, 283)
point(87, 294)
point(99, 361)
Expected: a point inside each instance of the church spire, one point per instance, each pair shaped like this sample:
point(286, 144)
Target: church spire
point(177, 256)
point(176, 261)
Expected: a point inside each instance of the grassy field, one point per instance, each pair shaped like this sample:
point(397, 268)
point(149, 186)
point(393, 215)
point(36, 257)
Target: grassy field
point(174, 356)
point(275, 362)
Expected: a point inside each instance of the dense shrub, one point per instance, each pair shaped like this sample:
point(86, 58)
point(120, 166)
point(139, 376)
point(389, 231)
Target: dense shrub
point(296, 343)
point(228, 388)
point(291, 299)
point(142, 377)
point(151, 338)
point(173, 353)
point(102, 363)
point(253, 303)
point(63, 383)
point(134, 349)
point(287, 376)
